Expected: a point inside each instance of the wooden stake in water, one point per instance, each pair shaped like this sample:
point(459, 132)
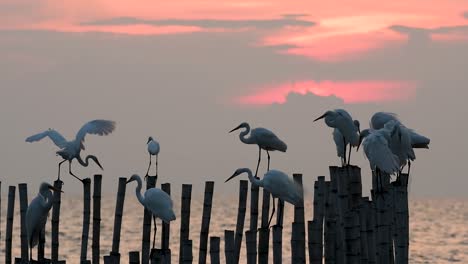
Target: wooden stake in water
point(330, 224)
point(187, 258)
point(96, 218)
point(134, 257)
point(185, 217)
point(214, 249)
point(251, 242)
point(9, 224)
point(316, 228)
point(205, 225)
point(86, 218)
point(252, 249)
point(229, 246)
point(264, 232)
point(243, 190)
point(147, 226)
point(118, 216)
point(278, 234)
point(23, 196)
point(298, 229)
point(56, 220)
point(166, 227)
point(371, 233)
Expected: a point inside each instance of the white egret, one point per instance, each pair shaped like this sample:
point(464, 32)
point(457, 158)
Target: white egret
point(400, 144)
point(378, 152)
point(70, 150)
point(36, 214)
point(153, 150)
point(341, 120)
point(263, 138)
point(277, 183)
point(341, 143)
point(379, 120)
point(157, 201)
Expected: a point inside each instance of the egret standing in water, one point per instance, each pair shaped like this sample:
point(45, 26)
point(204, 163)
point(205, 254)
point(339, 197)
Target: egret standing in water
point(344, 127)
point(277, 183)
point(157, 201)
point(70, 150)
point(263, 138)
point(153, 150)
point(36, 214)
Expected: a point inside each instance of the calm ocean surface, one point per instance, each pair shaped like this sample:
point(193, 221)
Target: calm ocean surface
point(438, 228)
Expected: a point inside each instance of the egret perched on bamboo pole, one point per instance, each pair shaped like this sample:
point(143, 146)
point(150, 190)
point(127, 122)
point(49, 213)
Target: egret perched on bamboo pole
point(36, 214)
point(263, 138)
point(153, 150)
point(277, 183)
point(155, 200)
point(70, 150)
point(346, 131)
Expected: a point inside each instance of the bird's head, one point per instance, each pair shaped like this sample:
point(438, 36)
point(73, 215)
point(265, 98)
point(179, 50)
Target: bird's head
point(357, 125)
point(237, 173)
point(363, 134)
point(149, 140)
point(327, 114)
point(134, 177)
point(46, 187)
point(243, 124)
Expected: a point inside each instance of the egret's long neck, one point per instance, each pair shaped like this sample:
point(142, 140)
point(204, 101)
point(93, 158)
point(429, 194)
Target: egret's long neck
point(243, 134)
point(252, 178)
point(48, 196)
point(85, 162)
point(138, 192)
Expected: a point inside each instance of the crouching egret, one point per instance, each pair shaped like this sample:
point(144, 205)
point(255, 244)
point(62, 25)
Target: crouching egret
point(378, 152)
point(263, 138)
point(346, 131)
point(70, 150)
point(277, 183)
point(153, 150)
point(36, 214)
point(157, 201)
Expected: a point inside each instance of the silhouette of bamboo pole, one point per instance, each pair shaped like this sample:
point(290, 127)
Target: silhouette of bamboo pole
point(96, 218)
point(56, 220)
point(9, 223)
point(86, 219)
point(243, 190)
point(147, 218)
point(23, 197)
point(185, 217)
point(205, 225)
point(214, 250)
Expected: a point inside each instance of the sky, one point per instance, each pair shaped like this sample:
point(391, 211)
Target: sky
point(187, 72)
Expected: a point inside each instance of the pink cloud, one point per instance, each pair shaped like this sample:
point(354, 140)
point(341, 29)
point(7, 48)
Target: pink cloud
point(348, 91)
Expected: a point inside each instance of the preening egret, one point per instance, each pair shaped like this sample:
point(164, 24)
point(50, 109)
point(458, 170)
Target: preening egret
point(153, 150)
point(341, 120)
point(400, 144)
point(379, 120)
point(277, 183)
point(157, 201)
point(378, 152)
point(36, 214)
point(263, 138)
point(70, 150)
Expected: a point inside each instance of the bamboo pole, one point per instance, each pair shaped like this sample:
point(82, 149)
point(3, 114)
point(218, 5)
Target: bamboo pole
point(339, 203)
point(41, 246)
point(229, 246)
point(243, 192)
point(298, 229)
point(134, 257)
point(314, 229)
point(187, 251)
point(185, 217)
point(86, 219)
point(316, 237)
point(363, 212)
point(251, 243)
point(166, 227)
point(264, 232)
point(118, 218)
point(383, 230)
point(23, 197)
point(9, 223)
point(371, 232)
point(278, 234)
point(147, 218)
point(205, 225)
point(56, 220)
point(214, 250)
point(330, 224)
point(96, 218)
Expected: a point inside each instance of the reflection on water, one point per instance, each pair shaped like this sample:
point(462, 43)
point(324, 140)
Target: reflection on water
point(438, 232)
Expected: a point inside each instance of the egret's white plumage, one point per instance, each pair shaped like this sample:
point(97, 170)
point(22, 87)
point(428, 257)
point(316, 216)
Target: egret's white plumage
point(155, 200)
point(36, 214)
point(277, 183)
point(379, 120)
point(153, 150)
point(376, 147)
point(263, 138)
point(345, 131)
point(400, 142)
point(70, 150)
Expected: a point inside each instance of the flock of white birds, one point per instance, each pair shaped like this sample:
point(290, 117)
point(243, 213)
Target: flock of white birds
point(387, 144)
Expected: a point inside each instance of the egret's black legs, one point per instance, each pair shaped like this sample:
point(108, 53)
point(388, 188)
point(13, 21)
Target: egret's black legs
point(344, 153)
point(60, 164)
point(30, 253)
point(71, 173)
point(149, 165)
point(272, 212)
point(154, 235)
point(349, 157)
point(409, 167)
point(259, 158)
point(268, 167)
point(156, 165)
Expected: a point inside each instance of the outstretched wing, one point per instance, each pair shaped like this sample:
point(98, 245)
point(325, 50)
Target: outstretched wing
point(95, 127)
point(55, 136)
point(379, 154)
